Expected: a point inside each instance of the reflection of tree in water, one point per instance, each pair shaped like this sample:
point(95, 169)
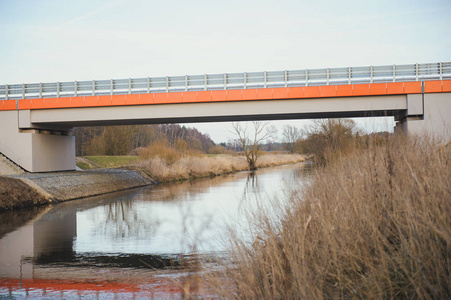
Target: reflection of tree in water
point(126, 218)
point(185, 190)
point(258, 197)
point(123, 220)
point(252, 190)
point(301, 175)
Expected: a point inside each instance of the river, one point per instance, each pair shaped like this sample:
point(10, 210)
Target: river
point(132, 244)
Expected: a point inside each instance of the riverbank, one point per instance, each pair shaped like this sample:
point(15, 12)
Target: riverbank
point(164, 169)
point(32, 189)
point(190, 167)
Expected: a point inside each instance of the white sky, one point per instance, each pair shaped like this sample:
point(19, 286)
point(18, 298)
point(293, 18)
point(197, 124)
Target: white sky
point(56, 40)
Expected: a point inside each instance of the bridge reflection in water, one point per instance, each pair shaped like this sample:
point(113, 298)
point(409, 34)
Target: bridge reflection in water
point(128, 243)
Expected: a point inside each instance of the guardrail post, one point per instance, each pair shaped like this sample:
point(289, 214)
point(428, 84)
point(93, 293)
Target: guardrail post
point(394, 73)
point(167, 84)
point(328, 75)
point(306, 77)
point(75, 88)
point(40, 89)
point(371, 76)
point(186, 83)
point(129, 85)
point(245, 80)
point(58, 89)
point(264, 79)
point(225, 81)
point(349, 75)
point(23, 90)
point(148, 85)
point(286, 78)
point(6, 92)
point(441, 71)
point(205, 82)
point(93, 88)
point(416, 71)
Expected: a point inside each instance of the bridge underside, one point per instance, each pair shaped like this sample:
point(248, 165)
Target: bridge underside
point(67, 126)
point(40, 140)
point(215, 112)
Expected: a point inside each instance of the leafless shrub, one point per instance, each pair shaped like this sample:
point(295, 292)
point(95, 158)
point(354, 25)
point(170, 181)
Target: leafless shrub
point(329, 139)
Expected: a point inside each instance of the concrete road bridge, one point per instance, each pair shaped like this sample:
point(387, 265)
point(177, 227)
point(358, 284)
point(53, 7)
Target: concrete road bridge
point(37, 120)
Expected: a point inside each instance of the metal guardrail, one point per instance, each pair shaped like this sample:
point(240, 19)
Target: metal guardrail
point(229, 81)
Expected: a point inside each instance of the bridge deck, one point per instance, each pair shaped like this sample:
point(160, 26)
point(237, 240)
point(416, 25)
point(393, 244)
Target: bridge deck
point(306, 92)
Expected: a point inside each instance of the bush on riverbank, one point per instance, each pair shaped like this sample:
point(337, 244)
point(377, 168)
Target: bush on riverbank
point(328, 140)
point(374, 225)
point(188, 167)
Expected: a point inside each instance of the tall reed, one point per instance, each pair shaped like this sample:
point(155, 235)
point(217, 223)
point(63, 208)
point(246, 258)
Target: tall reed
point(374, 225)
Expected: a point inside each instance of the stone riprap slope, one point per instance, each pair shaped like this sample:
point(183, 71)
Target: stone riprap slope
point(63, 186)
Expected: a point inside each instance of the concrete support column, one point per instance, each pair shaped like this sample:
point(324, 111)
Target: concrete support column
point(435, 119)
point(36, 150)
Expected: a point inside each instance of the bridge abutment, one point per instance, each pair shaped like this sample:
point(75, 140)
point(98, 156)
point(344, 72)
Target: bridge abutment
point(428, 115)
point(35, 149)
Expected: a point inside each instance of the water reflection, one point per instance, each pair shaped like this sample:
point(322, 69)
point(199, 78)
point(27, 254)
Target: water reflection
point(148, 228)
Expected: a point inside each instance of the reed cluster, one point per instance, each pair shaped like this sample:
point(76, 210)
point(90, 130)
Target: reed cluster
point(374, 225)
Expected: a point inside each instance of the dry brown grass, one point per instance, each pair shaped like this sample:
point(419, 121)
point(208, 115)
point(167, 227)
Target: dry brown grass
point(187, 166)
point(14, 193)
point(376, 225)
point(162, 150)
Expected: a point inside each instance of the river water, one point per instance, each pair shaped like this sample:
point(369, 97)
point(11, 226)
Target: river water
point(132, 244)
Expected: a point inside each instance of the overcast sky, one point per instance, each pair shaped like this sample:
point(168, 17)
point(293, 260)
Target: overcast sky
point(57, 40)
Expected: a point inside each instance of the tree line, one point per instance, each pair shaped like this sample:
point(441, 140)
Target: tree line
point(122, 140)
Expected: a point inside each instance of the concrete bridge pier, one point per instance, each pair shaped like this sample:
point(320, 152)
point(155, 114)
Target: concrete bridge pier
point(428, 115)
point(34, 148)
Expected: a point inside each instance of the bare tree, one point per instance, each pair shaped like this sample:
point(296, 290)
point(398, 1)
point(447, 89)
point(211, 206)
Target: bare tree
point(291, 135)
point(251, 143)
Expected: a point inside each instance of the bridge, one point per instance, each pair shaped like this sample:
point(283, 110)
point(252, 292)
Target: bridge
point(37, 120)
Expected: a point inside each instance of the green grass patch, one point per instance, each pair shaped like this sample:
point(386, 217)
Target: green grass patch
point(112, 161)
point(84, 166)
